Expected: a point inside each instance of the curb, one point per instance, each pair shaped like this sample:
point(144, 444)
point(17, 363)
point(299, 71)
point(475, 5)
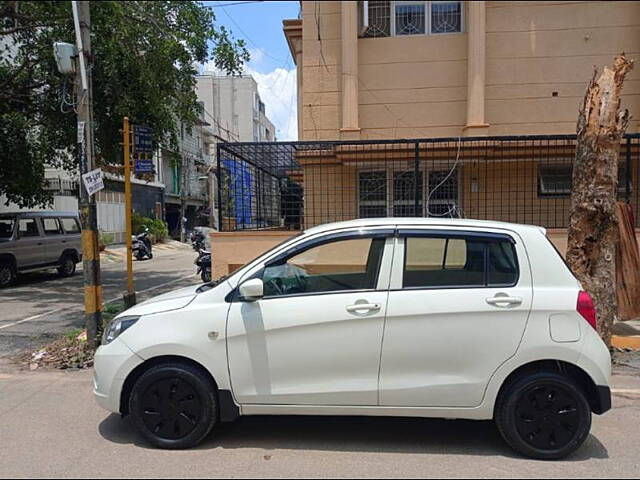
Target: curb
point(631, 342)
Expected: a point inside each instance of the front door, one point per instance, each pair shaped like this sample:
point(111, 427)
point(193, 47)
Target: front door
point(315, 337)
point(29, 245)
point(458, 306)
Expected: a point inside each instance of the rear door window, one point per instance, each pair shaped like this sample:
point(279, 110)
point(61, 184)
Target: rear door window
point(454, 262)
point(70, 225)
point(51, 226)
point(28, 227)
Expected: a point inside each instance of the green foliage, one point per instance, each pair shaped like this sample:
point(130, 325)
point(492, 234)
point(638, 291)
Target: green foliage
point(157, 228)
point(106, 238)
point(143, 67)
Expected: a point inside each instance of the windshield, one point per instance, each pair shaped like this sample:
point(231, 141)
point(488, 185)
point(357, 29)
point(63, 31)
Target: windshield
point(6, 227)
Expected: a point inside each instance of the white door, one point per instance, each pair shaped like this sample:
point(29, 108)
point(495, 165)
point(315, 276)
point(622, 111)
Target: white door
point(315, 337)
point(458, 306)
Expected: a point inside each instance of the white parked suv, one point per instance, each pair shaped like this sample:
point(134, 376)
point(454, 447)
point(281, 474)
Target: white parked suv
point(398, 317)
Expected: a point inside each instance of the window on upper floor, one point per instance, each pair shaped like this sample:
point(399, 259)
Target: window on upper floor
point(396, 18)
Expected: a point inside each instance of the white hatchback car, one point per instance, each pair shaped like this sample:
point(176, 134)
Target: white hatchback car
point(397, 317)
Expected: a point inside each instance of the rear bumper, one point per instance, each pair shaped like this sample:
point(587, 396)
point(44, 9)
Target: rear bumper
point(604, 400)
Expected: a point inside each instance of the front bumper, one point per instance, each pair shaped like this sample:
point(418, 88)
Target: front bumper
point(604, 400)
point(112, 365)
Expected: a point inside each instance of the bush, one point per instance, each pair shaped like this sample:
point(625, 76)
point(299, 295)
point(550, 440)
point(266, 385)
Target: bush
point(157, 228)
point(106, 238)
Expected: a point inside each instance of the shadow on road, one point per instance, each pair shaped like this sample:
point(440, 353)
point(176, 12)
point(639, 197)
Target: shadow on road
point(353, 434)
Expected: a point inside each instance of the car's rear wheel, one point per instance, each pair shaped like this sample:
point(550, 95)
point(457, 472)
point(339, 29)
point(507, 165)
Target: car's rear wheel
point(173, 406)
point(7, 274)
point(67, 266)
point(543, 415)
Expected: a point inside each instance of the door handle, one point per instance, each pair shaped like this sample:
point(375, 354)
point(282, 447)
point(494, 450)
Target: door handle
point(497, 301)
point(363, 306)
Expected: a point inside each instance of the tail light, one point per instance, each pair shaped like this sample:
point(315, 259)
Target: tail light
point(587, 309)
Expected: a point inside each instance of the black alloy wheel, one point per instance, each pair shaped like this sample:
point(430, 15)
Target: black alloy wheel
point(547, 416)
point(171, 408)
point(543, 415)
point(173, 405)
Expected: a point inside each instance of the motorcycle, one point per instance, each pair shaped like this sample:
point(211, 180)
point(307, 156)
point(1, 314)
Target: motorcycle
point(197, 240)
point(141, 245)
point(203, 262)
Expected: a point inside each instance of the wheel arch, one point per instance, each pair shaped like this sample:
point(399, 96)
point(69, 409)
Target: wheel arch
point(9, 257)
point(227, 409)
point(582, 379)
point(70, 251)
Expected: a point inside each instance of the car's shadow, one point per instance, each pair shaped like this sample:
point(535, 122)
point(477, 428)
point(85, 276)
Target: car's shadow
point(352, 434)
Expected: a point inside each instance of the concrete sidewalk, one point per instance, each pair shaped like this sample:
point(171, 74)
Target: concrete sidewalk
point(50, 426)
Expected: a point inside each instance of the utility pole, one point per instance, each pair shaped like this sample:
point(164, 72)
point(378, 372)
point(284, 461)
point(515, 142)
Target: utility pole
point(130, 296)
point(88, 213)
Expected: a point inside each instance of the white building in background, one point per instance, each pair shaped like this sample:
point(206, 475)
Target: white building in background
point(234, 108)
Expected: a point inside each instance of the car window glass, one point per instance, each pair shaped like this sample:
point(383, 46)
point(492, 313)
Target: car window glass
point(6, 227)
point(51, 226)
point(28, 227)
point(70, 225)
point(503, 267)
point(443, 262)
point(337, 266)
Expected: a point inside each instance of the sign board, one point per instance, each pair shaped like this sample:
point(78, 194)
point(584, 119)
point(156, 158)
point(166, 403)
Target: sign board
point(142, 139)
point(143, 165)
point(93, 181)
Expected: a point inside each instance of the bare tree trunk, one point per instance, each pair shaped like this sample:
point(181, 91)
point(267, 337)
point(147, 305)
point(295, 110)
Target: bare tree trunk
point(593, 233)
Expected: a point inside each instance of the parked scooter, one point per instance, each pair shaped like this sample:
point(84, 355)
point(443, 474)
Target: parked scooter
point(203, 262)
point(197, 240)
point(141, 245)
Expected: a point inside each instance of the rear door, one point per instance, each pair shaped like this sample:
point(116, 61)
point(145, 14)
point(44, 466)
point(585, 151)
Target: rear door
point(54, 238)
point(72, 234)
point(458, 306)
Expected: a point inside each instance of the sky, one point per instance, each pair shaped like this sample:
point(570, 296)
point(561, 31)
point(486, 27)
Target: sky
point(271, 65)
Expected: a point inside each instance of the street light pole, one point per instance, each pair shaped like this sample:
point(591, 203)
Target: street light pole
point(88, 212)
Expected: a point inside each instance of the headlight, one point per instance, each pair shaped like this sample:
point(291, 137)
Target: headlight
point(116, 327)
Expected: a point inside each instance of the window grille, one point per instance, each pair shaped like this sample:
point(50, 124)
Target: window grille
point(386, 18)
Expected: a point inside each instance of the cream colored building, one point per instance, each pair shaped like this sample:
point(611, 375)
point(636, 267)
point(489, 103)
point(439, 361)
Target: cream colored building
point(440, 69)
point(372, 71)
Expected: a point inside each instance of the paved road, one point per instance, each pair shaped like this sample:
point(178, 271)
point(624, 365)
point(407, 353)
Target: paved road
point(51, 427)
point(42, 306)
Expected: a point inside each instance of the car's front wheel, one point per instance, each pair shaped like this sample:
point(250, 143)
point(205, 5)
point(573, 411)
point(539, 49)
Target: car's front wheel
point(7, 274)
point(173, 405)
point(543, 415)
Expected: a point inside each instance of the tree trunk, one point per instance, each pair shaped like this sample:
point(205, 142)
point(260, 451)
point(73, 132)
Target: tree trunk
point(593, 233)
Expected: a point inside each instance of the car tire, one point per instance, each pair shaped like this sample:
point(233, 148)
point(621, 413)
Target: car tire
point(174, 406)
point(543, 415)
point(7, 274)
point(67, 266)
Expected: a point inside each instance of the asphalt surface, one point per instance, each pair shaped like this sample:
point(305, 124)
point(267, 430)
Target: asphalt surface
point(42, 306)
point(50, 426)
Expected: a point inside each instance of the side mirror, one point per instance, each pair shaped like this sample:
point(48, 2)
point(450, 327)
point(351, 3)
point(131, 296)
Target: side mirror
point(251, 290)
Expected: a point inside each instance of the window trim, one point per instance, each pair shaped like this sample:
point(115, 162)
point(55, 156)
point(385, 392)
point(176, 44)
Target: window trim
point(38, 227)
point(77, 225)
point(428, 23)
point(390, 203)
point(44, 228)
point(372, 233)
point(485, 237)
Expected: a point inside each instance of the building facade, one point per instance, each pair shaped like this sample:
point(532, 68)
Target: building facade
point(383, 70)
point(234, 108)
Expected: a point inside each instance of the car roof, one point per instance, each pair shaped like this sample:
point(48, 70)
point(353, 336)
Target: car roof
point(419, 222)
point(42, 214)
